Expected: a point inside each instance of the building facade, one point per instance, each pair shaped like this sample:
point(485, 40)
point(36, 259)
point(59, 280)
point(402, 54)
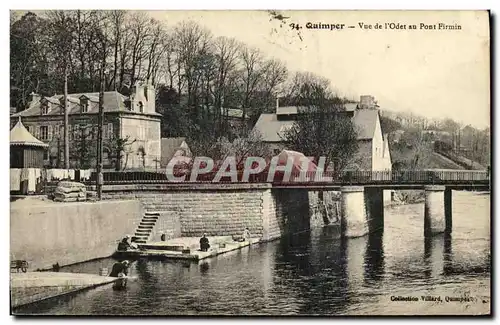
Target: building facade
point(131, 133)
point(373, 146)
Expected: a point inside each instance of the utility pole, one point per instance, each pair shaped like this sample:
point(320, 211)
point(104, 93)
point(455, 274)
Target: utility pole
point(100, 122)
point(66, 118)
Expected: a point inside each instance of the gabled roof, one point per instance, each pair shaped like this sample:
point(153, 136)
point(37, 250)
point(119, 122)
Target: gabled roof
point(232, 112)
point(350, 107)
point(170, 146)
point(113, 102)
point(272, 130)
point(291, 110)
point(19, 136)
point(285, 110)
point(365, 121)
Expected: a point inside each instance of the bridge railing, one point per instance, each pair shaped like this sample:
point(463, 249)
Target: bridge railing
point(309, 177)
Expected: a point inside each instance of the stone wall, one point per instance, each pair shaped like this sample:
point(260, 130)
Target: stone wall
point(67, 233)
point(223, 210)
point(192, 210)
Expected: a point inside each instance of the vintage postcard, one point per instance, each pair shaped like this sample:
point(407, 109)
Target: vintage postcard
point(250, 163)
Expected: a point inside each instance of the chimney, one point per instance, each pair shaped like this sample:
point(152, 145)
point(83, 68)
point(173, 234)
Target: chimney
point(367, 101)
point(34, 98)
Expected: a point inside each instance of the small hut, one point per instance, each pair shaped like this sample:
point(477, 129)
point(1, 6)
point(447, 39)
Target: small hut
point(26, 151)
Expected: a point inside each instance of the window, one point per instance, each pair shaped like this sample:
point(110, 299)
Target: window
point(76, 132)
point(84, 105)
point(45, 108)
point(141, 107)
point(110, 131)
point(44, 132)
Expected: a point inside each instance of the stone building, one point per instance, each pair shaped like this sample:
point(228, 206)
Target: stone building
point(373, 153)
point(130, 123)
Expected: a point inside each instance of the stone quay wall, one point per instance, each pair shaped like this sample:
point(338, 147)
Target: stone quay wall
point(189, 210)
point(66, 233)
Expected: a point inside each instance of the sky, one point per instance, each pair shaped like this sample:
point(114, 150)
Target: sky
point(433, 73)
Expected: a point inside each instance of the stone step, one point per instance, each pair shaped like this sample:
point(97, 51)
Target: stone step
point(147, 223)
point(149, 219)
point(148, 230)
point(139, 241)
point(145, 227)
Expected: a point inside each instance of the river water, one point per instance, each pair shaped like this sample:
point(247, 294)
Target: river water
point(314, 273)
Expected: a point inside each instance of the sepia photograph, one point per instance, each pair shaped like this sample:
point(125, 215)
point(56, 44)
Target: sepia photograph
point(250, 163)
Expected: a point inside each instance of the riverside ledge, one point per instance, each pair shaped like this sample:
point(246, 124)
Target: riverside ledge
point(31, 287)
point(177, 248)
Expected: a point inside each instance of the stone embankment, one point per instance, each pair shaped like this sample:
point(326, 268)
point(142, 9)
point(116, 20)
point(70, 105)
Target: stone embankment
point(31, 287)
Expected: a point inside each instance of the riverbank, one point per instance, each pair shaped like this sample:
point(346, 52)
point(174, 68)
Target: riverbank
point(31, 287)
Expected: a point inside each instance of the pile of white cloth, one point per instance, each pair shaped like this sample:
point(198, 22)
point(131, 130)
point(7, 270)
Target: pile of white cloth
point(70, 192)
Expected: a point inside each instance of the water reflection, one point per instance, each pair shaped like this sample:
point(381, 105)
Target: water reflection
point(447, 254)
point(204, 267)
point(374, 258)
point(433, 255)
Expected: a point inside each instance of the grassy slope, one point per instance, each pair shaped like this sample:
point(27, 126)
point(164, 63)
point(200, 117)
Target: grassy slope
point(428, 158)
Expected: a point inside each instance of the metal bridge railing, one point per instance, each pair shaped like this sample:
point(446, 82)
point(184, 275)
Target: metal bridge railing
point(341, 178)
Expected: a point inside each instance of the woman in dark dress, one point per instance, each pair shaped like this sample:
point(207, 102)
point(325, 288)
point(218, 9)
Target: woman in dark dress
point(204, 244)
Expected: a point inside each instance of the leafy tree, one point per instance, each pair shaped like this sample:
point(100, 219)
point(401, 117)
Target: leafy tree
point(321, 129)
point(120, 149)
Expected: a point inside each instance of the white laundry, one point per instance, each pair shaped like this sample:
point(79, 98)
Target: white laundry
point(15, 179)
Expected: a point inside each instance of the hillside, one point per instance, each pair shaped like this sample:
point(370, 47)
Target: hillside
point(404, 158)
point(418, 142)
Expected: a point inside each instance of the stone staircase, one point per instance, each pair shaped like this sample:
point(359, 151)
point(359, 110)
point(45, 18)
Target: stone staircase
point(143, 231)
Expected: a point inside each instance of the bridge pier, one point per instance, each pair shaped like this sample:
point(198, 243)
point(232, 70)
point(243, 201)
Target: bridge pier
point(374, 198)
point(353, 222)
point(437, 216)
point(447, 209)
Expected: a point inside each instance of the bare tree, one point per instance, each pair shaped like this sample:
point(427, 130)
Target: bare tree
point(156, 50)
point(251, 76)
point(225, 52)
point(117, 18)
point(192, 44)
point(140, 33)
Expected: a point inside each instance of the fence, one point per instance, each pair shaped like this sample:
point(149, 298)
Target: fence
point(345, 177)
